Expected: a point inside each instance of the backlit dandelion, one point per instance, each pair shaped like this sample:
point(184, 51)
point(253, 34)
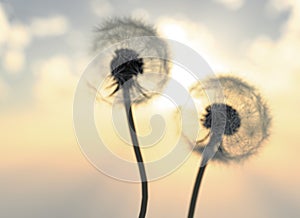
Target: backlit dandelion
point(241, 124)
point(131, 57)
point(135, 61)
point(247, 118)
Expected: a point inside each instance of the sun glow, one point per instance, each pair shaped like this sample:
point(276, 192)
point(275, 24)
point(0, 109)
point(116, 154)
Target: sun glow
point(172, 30)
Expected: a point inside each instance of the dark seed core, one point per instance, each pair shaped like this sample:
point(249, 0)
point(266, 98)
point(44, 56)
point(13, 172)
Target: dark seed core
point(233, 120)
point(125, 65)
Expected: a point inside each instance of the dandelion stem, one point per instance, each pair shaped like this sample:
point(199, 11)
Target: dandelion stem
point(137, 151)
point(196, 191)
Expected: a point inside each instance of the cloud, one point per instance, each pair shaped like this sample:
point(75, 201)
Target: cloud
point(278, 5)
point(19, 36)
point(13, 35)
point(263, 58)
point(50, 26)
point(195, 35)
point(266, 58)
point(231, 4)
point(13, 61)
point(101, 8)
point(56, 80)
point(186, 31)
point(5, 27)
point(14, 38)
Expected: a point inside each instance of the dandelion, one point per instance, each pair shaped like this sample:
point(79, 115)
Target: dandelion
point(135, 62)
point(136, 56)
point(233, 129)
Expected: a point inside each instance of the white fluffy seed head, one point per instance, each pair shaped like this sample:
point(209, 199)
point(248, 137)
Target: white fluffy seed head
point(244, 139)
point(133, 35)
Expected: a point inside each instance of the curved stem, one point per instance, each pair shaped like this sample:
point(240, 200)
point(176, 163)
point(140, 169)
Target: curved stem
point(196, 191)
point(137, 151)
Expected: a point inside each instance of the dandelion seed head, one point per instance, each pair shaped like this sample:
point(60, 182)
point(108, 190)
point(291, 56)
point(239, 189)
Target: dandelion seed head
point(133, 54)
point(246, 115)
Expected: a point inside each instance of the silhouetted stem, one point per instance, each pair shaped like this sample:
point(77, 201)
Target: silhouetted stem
point(137, 151)
point(196, 191)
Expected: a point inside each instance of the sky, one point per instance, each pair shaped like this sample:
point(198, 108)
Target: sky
point(45, 47)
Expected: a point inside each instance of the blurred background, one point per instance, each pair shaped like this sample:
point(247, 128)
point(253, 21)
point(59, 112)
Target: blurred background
point(44, 48)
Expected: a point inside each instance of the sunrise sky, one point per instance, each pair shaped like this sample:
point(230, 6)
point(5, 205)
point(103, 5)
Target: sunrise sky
point(46, 45)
